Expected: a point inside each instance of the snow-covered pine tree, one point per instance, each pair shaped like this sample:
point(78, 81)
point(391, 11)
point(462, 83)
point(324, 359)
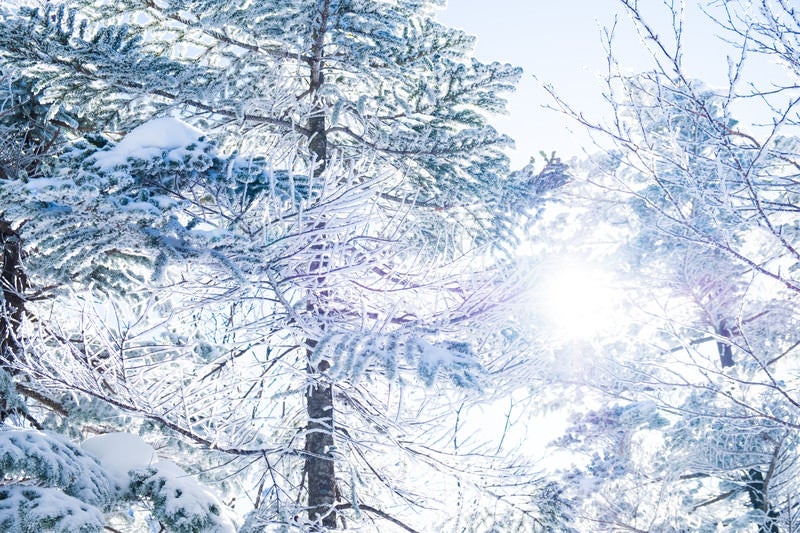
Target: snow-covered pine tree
point(50, 484)
point(322, 240)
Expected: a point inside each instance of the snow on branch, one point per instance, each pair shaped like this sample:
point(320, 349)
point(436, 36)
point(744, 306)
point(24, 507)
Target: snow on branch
point(351, 355)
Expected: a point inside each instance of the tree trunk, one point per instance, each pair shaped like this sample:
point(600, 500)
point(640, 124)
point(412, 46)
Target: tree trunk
point(14, 283)
point(757, 490)
point(724, 347)
point(319, 465)
point(319, 450)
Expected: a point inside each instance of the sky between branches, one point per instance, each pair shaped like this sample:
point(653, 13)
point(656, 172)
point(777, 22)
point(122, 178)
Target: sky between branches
point(563, 43)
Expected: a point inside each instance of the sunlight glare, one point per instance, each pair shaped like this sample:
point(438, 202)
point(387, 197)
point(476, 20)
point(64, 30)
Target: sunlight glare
point(578, 301)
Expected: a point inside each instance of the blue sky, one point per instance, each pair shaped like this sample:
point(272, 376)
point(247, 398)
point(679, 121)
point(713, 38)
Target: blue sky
point(560, 42)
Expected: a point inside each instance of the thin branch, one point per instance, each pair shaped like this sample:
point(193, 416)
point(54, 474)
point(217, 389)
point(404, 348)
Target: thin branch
point(378, 512)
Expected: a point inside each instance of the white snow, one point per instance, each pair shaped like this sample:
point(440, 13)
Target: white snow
point(434, 355)
point(149, 140)
point(146, 207)
point(45, 506)
point(39, 184)
point(120, 453)
point(194, 498)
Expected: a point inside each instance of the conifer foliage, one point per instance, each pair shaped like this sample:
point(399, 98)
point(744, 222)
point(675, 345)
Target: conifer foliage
point(260, 235)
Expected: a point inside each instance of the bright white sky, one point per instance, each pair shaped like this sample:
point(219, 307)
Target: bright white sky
point(561, 43)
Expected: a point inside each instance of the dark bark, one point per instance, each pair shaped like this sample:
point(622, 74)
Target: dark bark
point(318, 143)
point(724, 347)
point(757, 491)
point(14, 282)
point(320, 468)
point(318, 136)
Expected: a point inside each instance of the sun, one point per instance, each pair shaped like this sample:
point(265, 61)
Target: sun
point(578, 301)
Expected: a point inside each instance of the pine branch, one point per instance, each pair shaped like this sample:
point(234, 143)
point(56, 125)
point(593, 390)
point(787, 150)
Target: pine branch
point(48, 402)
point(377, 512)
point(271, 51)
